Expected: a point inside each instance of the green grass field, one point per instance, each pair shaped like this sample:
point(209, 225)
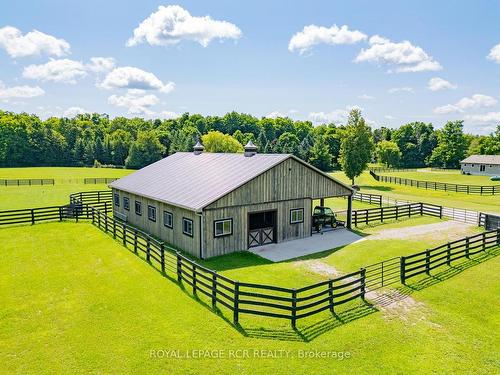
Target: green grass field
point(485, 203)
point(75, 301)
point(67, 180)
point(451, 176)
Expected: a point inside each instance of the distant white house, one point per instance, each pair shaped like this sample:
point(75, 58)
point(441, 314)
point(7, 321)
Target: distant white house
point(487, 165)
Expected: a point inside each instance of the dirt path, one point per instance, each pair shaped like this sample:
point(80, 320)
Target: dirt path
point(392, 303)
point(447, 230)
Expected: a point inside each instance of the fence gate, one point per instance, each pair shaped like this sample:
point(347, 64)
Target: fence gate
point(262, 236)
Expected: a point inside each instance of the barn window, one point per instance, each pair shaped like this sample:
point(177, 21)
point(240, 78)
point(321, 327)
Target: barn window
point(138, 208)
point(187, 227)
point(151, 213)
point(296, 215)
point(117, 200)
point(126, 203)
point(168, 219)
point(223, 227)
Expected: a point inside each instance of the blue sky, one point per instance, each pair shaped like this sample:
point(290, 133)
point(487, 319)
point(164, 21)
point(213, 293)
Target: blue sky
point(260, 57)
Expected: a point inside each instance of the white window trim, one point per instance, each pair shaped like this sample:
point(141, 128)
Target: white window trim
point(230, 220)
point(298, 209)
point(165, 213)
point(185, 219)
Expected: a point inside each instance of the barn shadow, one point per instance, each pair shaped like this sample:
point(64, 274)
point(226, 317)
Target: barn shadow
point(377, 187)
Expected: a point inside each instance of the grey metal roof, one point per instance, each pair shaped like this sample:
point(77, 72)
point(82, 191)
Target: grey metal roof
point(482, 159)
point(194, 181)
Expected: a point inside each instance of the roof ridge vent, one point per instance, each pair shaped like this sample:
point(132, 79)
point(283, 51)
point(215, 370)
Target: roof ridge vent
point(250, 149)
point(198, 148)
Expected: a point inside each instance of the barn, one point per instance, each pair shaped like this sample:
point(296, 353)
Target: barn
point(210, 204)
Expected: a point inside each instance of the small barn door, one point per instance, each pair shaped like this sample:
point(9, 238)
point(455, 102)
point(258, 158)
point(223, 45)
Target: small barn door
point(261, 228)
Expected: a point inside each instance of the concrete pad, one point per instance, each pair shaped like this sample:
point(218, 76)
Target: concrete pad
point(316, 243)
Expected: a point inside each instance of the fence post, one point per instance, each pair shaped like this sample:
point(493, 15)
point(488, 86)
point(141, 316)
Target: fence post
point(448, 254)
point(428, 262)
point(421, 209)
point(402, 275)
point(93, 217)
point(60, 213)
point(214, 290)
point(236, 301)
point(467, 254)
point(363, 283)
point(135, 241)
point(179, 267)
point(162, 257)
point(106, 208)
point(440, 212)
point(98, 197)
point(294, 308)
point(76, 215)
point(105, 222)
point(124, 227)
point(397, 212)
point(148, 249)
point(194, 278)
point(32, 216)
point(114, 228)
point(330, 295)
point(484, 242)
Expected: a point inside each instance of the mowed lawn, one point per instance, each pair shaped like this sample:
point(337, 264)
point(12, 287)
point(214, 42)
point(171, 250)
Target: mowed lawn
point(67, 180)
point(73, 300)
point(482, 203)
point(450, 176)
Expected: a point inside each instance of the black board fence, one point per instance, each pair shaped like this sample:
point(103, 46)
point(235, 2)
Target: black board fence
point(27, 182)
point(433, 185)
point(381, 214)
point(425, 261)
point(99, 180)
point(91, 197)
point(489, 221)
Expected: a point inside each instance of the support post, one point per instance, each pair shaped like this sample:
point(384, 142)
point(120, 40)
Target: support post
point(448, 254)
point(214, 290)
point(194, 278)
point(428, 262)
point(363, 284)
point(179, 268)
point(60, 213)
point(322, 202)
point(330, 295)
point(148, 249)
point(32, 216)
point(124, 227)
point(135, 241)
point(349, 212)
point(467, 254)
point(402, 275)
point(294, 308)
point(236, 302)
point(162, 257)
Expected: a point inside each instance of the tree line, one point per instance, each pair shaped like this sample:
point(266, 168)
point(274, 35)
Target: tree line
point(95, 139)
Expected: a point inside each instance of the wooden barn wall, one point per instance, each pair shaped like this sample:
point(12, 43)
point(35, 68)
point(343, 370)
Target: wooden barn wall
point(239, 239)
point(288, 180)
point(172, 236)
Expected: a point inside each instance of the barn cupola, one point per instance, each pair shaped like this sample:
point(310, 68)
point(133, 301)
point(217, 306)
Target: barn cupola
point(198, 148)
point(250, 149)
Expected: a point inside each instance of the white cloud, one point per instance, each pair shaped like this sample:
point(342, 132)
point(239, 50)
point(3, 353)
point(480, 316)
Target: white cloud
point(63, 70)
point(475, 101)
point(437, 84)
point(494, 54)
point(312, 35)
point(136, 101)
point(171, 24)
point(487, 117)
point(389, 117)
point(31, 44)
point(401, 89)
point(365, 97)
point(129, 77)
point(404, 55)
point(19, 91)
point(168, 115)
point(336, 116)
point(73, 111)
point(101, 64)
point(275, 114)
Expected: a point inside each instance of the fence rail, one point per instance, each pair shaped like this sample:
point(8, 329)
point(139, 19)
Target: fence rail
point(381, 214)
point(99, 180)
point(425, 261)
point(91, 197)
point(433, 185)
point(27, 182)
point(489, 221)
point(368, 198)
